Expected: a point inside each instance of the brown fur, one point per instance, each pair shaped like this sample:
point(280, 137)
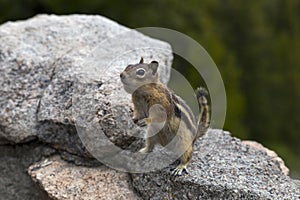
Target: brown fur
point(167, 116)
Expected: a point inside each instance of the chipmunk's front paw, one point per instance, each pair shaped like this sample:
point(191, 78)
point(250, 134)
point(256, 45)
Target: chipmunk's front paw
point(141, 123)
point(179, 170)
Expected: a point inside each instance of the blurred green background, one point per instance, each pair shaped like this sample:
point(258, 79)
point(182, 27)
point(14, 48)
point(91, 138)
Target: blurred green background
point(255, 44)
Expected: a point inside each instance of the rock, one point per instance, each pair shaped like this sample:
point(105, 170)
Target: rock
point(222, 167)
point(270, 153)
point(62, 180)
point(62, 71)
point(61, 88)
point(15, 183)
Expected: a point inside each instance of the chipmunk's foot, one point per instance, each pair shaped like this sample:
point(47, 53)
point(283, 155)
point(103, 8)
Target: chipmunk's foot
point(179, 170)
point(144, 150)
point(141, 123)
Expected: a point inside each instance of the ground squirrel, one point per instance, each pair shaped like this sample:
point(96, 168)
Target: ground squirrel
point(164, 113)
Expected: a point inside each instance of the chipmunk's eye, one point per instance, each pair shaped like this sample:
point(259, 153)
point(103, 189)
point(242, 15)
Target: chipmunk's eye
point(140, 72)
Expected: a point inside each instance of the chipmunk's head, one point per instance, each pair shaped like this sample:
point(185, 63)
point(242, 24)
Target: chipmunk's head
point(137, 75)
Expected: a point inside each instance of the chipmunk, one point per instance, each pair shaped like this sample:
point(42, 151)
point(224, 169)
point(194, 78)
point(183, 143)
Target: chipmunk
point(164, 113)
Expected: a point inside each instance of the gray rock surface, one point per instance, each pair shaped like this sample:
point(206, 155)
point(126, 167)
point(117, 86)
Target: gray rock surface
point(15, 183)
point(57, 71)
point(271, 153)
point(222, 167)
point(61, 70)
point(60, 88)
point(62, 180)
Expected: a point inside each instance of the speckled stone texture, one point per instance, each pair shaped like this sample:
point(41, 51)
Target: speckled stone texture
point(62, 180)
point(61, 70)
point(57, 71)
point(271, 153)
point(222, 168)
point(15, 183)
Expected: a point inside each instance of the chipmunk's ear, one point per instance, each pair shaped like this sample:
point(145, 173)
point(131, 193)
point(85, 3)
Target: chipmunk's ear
point(142, 60)
point(154, 66)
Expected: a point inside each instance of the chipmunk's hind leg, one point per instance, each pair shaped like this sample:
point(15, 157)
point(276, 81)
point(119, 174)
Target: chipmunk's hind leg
point(185, 159)
point(150, 142)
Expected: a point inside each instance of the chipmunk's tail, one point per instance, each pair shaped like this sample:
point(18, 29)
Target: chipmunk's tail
point(204, 117)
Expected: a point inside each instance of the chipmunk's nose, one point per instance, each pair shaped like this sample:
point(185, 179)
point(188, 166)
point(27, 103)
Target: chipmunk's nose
point(122, 76)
